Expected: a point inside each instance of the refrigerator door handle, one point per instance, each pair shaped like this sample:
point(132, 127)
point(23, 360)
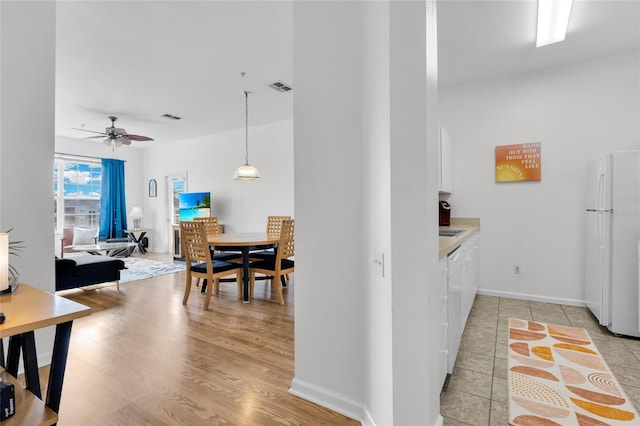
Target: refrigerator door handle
point(600, 210)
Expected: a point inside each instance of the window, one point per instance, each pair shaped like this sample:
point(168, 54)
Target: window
point(76, 192)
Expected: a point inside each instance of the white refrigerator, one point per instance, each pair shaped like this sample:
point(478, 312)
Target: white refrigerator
point(611, 241)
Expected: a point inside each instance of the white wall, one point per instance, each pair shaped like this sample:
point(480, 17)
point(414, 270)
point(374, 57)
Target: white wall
point(27, 89)
point(329, 204)
point(576, 112)
point(378, 296)
point(366, 179)
point(414, 182)
point(209, 163)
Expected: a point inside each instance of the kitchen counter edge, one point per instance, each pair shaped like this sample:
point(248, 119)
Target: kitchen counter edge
point(469, 226)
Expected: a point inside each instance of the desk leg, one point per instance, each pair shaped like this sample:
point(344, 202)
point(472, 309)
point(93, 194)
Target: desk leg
point(58, 365)
point(13, 354)
point(30, 359)
point(2, 364)
point(27, 343)
point(245, 274)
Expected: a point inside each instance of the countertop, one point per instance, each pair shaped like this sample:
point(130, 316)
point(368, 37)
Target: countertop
point(469, 225)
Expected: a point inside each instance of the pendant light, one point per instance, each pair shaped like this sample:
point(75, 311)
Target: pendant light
point(247, 171)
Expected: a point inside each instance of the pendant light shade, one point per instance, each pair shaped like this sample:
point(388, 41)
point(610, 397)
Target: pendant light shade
point(247, 171)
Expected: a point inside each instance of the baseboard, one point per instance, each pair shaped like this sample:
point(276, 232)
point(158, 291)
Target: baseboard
point(440, 421)
point(326, 398)
point(532, 297)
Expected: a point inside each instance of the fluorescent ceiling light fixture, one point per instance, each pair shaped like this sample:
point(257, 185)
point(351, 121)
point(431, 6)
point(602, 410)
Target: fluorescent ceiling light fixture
point(553, 18)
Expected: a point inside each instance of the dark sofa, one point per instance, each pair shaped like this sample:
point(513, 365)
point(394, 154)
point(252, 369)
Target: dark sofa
point(84, 270)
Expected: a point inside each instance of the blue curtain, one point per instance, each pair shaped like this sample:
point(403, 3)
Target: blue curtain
point(113, 209)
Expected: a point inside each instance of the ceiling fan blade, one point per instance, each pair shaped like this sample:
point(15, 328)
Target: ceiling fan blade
point(96, 137)
point(137, 138)
point(92, 131)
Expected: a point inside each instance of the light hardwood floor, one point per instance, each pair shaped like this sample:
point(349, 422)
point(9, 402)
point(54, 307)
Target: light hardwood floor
point(144, 358)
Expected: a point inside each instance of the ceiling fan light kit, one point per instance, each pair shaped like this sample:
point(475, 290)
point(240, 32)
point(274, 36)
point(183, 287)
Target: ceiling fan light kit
point(246, 171)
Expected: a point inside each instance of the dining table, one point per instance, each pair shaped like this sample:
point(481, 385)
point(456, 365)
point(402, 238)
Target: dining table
point(245, 243)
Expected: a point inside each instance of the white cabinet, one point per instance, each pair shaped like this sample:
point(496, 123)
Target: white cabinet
point(446, 162)
point(454, 306)
point(470, 275)
point(462, 286)
point(444, 320)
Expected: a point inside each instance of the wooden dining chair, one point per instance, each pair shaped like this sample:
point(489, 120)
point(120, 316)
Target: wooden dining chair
point(274, 225)
point(212, 227)
point(199, 263)
point(278, 266)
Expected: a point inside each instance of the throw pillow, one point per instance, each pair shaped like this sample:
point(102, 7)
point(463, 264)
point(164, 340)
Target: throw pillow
point(83, 236)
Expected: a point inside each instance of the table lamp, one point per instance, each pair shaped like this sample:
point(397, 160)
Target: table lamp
point(4, 261)
point(136, 215)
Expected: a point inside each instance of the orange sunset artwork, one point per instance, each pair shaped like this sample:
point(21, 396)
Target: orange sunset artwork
point(518, 163)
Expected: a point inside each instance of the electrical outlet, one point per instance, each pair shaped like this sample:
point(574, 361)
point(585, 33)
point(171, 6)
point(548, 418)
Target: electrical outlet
point(516, 269)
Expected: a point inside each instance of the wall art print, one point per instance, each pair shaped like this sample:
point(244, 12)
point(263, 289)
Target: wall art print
point(518, 163)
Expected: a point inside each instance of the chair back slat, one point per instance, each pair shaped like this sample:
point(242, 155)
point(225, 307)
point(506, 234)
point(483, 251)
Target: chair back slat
point(274, 224)
point(211, 225)
point(286, 246)
point(195, 246)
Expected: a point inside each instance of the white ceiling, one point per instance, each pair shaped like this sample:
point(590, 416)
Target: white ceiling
point(139, 60)
point(480, 39)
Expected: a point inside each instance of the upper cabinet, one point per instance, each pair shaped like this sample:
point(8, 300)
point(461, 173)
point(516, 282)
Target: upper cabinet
point(446, 162)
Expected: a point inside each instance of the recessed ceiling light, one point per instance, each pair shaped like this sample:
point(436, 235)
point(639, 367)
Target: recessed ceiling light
point(553, 19)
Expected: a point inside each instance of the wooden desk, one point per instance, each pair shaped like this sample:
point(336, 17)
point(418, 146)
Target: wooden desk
point(26, 310)
point(244, 243)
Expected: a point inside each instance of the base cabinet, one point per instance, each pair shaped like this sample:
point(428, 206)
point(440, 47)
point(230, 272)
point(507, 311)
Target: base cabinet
point(444, 320)
point(462, 286)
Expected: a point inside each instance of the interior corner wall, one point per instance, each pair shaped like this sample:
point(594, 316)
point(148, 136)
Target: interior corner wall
point(378, 399)
point(329, 174)
point(27, 112)
point(414, 183)
point(575, 112)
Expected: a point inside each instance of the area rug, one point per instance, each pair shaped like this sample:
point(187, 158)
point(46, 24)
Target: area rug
point(557, 377)
point(140, 268)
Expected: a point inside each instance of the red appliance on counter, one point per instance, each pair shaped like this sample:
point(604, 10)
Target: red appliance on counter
point(445, 213)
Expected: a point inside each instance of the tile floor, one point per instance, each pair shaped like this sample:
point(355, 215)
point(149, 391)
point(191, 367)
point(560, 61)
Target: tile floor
point(476, 392)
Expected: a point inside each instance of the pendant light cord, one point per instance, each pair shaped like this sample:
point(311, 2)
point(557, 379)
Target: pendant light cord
point(246, 128)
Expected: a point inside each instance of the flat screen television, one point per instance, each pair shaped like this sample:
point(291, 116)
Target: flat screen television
point(194, 204)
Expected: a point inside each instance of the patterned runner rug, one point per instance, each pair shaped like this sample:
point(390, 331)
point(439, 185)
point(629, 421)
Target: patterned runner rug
point(139, 269)
point(557, 377)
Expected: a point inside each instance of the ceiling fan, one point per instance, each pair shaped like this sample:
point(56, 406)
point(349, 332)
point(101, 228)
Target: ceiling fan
point(115, 136)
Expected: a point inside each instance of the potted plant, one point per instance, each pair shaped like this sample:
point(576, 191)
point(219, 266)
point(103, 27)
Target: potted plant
point(15, 247)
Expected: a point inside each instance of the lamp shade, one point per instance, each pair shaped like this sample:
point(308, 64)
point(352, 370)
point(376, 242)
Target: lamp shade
point(4, 261)
point(246, 172)
point(136, 213)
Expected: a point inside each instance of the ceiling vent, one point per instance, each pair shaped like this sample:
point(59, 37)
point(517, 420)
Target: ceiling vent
point(281, 86)
point(171, 117)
